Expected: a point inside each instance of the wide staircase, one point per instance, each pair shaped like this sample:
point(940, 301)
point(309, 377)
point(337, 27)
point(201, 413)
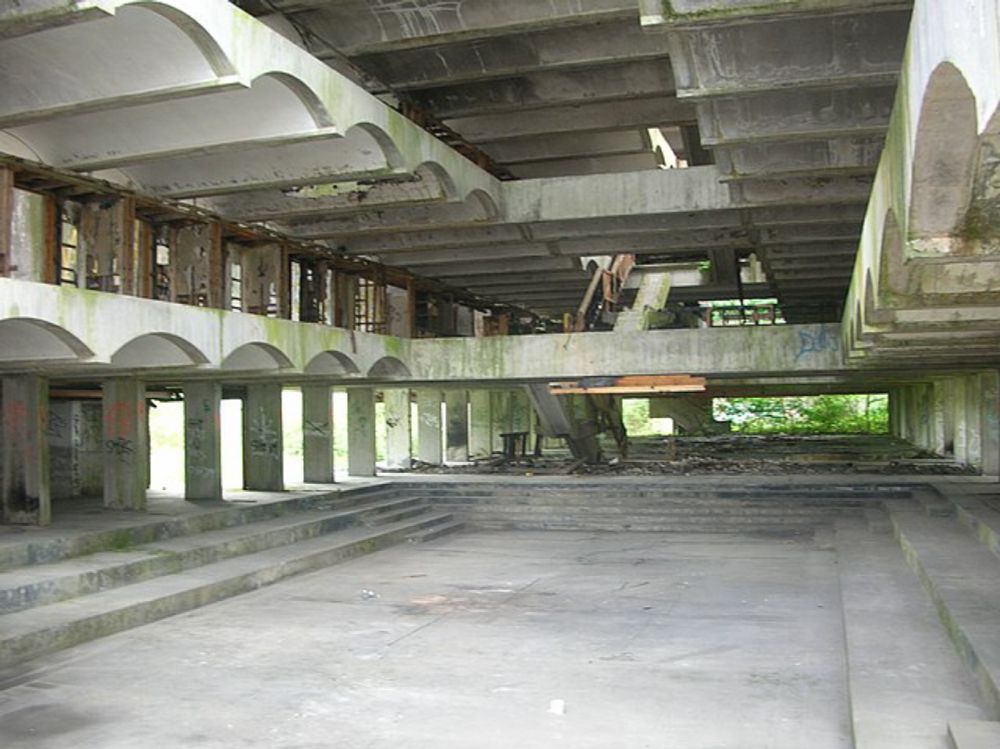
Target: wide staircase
point(59, 592)
point(922, 619)
point(692, 507)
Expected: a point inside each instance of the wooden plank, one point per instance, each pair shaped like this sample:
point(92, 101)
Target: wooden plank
point(629, 384)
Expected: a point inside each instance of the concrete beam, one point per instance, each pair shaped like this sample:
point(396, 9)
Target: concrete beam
point(594, 117)
point(550, 88)
point(585, 47)
point(355, 27)
point(807, 51)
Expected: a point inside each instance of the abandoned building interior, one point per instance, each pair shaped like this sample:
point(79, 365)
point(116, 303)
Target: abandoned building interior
point(388, 273)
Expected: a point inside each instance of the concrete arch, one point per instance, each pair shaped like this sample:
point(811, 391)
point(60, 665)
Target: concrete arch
point(102, 61)
point(434, 172)
point(394, 158)
point(332, 363)
point(310, 100)
point(944, 156)
point(267, 112)
point(484, 202)
point(389, 367)
point(158, 350)
point(210, 49)
point(27, 338)
point(893, 271)
point(868, 309)
point(256, 357)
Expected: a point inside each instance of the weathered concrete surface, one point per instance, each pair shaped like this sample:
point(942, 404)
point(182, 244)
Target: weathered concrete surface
point(617, 627)
point(786, 349)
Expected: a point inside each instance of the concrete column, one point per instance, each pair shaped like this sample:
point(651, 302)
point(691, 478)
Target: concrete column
point(91, 449)
point(64, 449)
point(25, 485)
point(480, 424)
point(317, 434)
point(457, 431)
point(923, 402)
point(429, 442)
point(361, 431)
point(960, 438)
point(502, 417)
point(397, 428)
point(203, 441)
point(126, 446)
point(893, 406)
point(973, 421)
point(263, 453)
point(939, 436)
point(990, 420)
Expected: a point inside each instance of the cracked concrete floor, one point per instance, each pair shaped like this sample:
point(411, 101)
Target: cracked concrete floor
point(651, 640)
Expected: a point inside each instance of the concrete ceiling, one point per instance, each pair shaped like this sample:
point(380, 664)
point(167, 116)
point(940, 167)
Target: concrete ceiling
point(790, 102)
point(554, 100)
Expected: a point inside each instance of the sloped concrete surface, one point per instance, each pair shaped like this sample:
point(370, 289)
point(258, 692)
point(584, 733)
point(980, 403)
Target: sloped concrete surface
point(651, 640)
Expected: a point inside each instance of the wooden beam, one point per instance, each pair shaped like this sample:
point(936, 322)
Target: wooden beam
point(629, 385)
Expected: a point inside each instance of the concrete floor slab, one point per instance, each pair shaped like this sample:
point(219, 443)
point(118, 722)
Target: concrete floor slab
point(651, 640)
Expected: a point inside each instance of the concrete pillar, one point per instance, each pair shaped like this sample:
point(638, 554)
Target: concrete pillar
point(429, 442)
point(960, 438)
point(361, 431)
point(317, 434)
point(64, 449)
point(502, 417)
point(923, 402)
point(990, 421)
point(263, 453)
point(126, 445)
point(203, 441)
point(480, 424)
point(91, 449)
point(895, 428)
point(25, 486)
point(973, 424)
point(939, 422)
point(457, 430)
point(397, 428)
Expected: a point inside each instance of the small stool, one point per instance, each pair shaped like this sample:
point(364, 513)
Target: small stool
point(515, 444)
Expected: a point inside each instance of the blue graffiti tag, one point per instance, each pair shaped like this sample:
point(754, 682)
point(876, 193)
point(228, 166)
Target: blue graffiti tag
point(816, 342)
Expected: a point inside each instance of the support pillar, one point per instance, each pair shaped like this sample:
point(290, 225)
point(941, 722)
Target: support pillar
point(501, 417)
point(361, 431)
point(26, 496)
point(939, 421)
point(126, 445)
point(480, 424)
point(317, 434)
point(429, 443)
point(959, 410)
point(973, 428)
point(263, 454)
point(990, 420)
point(457, 431)
point(203, 441)
point(397, 428)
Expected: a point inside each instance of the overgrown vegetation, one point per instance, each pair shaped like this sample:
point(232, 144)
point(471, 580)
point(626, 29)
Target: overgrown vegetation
point(821, 414)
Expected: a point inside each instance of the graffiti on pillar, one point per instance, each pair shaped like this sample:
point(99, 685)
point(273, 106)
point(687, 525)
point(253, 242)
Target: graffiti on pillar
point(316, 429)
point(119, 447)
point(57, 426)
point(195, 442)
point(263, 436)
point(816, 341)
point(119, 418)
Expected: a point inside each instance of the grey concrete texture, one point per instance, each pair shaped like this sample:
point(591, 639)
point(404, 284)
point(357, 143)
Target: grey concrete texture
point(649, 640)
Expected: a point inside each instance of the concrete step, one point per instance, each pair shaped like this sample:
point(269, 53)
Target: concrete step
point(436, 531)
point(981, 516)
point(28, 634)
point(962, 578)
point(974, 734)
point(645, 526)
point(905, 680)
point(706, 510)
point(125, 530)
point(37, 585)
